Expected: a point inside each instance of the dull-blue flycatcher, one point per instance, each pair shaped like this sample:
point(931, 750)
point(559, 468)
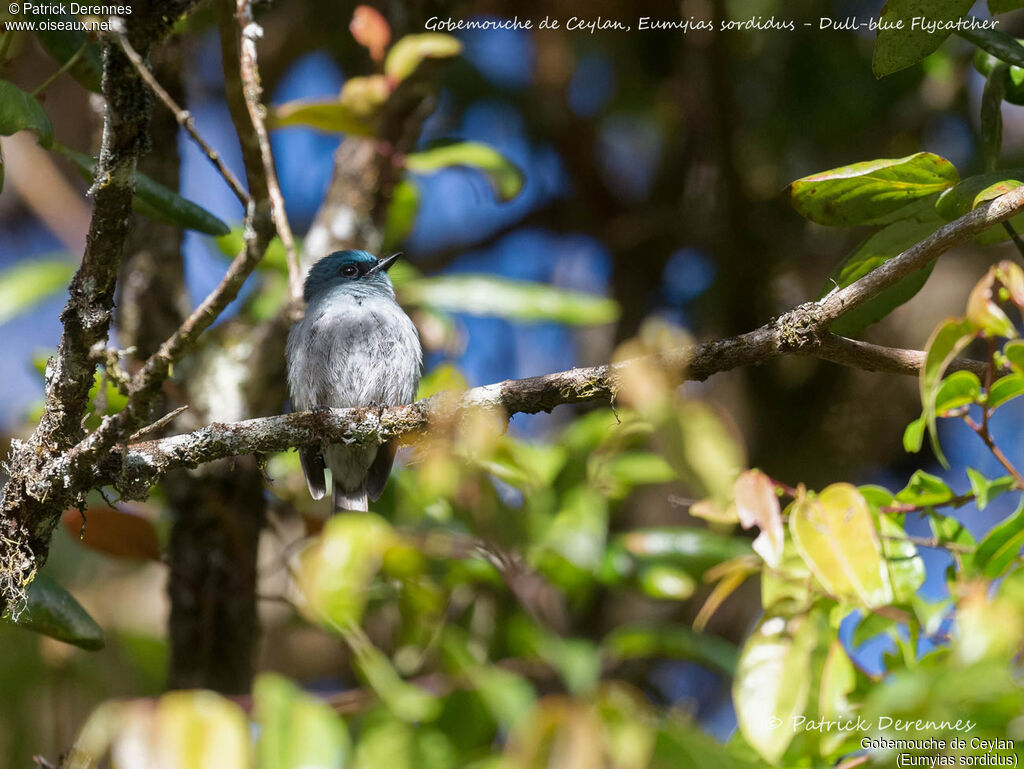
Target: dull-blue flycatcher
point(354, 347)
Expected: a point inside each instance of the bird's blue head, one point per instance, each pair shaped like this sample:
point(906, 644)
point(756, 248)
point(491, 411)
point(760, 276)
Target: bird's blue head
point(358, 272)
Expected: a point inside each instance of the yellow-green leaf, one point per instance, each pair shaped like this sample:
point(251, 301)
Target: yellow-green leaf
point(835, 535)
point(506, 298)
point(502, 174)
point(411, 51)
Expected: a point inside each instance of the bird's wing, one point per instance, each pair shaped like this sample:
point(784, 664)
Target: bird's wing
point(313, 468)
point(377, 475)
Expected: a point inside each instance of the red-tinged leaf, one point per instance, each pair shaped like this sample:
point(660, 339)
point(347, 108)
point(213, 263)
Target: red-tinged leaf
point(982, 308)
point(370, 30)
point(757, 504)
point(115, 532)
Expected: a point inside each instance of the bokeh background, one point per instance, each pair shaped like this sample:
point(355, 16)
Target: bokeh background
point(655, 166)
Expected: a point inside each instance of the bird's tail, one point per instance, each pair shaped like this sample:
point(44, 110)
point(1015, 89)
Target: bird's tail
point(350, 500)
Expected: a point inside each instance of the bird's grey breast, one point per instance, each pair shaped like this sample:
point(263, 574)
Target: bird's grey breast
point(352, 350)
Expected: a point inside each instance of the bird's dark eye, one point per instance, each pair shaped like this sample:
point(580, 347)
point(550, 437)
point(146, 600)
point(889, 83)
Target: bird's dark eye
point(349, 271)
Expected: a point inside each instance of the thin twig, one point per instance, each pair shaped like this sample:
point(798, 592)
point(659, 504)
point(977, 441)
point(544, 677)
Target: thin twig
point(253, 90)
point(184, 118)
point(1014, 237)
point(161, 422)
point(930, 542)
point(997, 452)
point(63, 68)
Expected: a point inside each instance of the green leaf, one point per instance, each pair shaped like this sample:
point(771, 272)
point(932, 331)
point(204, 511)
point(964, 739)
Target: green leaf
point(958, 389)
point(62, 44)
point(53, 611)
point(885, 244)
point(835, 535)
point(654, 641)
point(906, 568)
point(838, 681)
point(925, 490)
point(978, 189)
point(951, 336)
point(21, 112)
point(949, 531)
point(513, 299)
point(577, 531)
point(913, 436)
point(1004, 6)
point(401, 216)
point(998, 550)
point(666, 582)
point(330, 116)
point(154, 200)
point(296, 731)
point(505, 178)
point(30, 281)
point(896, 49)
point(1013, 79)
point(867, 192)
point(693, 549)
point(986, 490)
point(336, 570)
point(1005, 389)
point(997, 43)
point(772, 682)
point(405, 700)
point(406, 55)
point(992, 116)
point(1014, 352)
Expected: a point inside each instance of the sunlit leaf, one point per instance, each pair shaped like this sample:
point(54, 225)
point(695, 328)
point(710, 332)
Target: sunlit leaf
point(958, 389)
point(913, 435)
point(53, 611)
point(864, 193)
point(21, 112)
point(906, 569)
point(1005, 389)
point(757, 504)
point(505, 178)
point(983, 311)
point(336, 570)
point(898, 48)
point(666, 582)
point(997, 551)
point(949, 337)
point(331, 116)
point(513, 299)
point(30, 281)
point(408, 53)
point(973, 191)
point(924, 490)
point(406, 700)
point(772, 682)
point(401, 216)
point(836, 537)
point(985, 489)
point(297, 731)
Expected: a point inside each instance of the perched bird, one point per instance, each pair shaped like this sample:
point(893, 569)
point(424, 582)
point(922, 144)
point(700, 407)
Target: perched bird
point(354, 347)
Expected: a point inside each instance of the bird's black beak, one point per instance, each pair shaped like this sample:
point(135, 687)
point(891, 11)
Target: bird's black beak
point(384, 264)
